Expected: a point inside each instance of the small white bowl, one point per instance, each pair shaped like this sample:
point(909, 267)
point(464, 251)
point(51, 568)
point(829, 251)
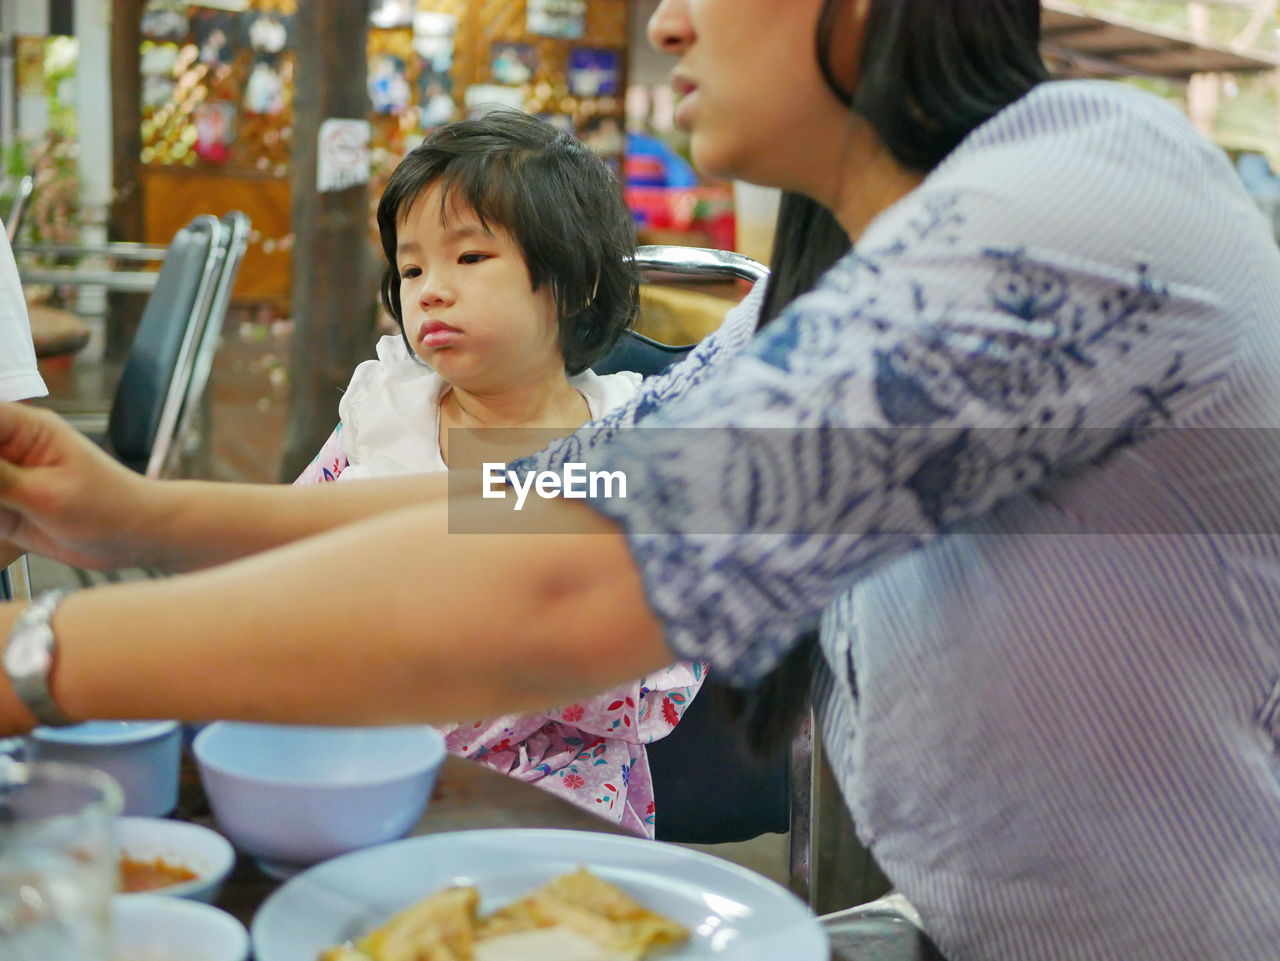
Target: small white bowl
point(292, 796)
point(149, 927)
point(144, 756)
point(199, 849)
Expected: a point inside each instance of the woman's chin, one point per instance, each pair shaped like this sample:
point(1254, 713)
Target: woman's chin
point(712, 159)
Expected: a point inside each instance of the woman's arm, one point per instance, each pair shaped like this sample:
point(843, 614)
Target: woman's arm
point(63, 497)
point(394, 620)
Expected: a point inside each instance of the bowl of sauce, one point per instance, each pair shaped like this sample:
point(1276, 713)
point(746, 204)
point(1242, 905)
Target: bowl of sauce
point(172, 858)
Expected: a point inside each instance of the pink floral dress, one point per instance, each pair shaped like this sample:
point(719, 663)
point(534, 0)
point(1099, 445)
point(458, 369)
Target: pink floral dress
point(591, 752)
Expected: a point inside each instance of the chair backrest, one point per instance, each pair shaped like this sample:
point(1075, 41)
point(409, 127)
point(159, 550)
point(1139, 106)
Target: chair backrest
point(148, 401)
point(707, 788)
point(641, 354)
point(236, 234)
point(15, 581)
point(668, 264)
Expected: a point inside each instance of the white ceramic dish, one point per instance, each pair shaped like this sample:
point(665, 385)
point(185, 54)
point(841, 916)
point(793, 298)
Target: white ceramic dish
point(199, 849)
point(150, 927)
point(734, 914)
point(293, 796)
point(143, 756)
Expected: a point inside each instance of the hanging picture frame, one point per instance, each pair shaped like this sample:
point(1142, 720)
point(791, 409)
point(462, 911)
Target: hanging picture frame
point(388, 84)
point(435, 96)
point(433, 38)
point(266, 32)
point(157, 91)
point(215, 122)
point(158, 59)
point(165, 20)
point(513, 64)
point(217, 36)
point(563, 19)
point(391, 14)
point(594, 72)
point(264, 90)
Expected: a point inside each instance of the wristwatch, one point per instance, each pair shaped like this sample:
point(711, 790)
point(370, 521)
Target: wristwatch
point(28, 660)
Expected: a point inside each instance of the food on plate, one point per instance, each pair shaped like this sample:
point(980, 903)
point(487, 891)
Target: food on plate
point(137, 874)
point(573, 917)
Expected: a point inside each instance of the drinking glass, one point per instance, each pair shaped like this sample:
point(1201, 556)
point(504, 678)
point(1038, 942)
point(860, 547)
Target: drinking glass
point(57, 861)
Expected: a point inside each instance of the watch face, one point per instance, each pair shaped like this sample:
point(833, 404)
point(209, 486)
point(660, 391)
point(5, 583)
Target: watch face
point(25, 656)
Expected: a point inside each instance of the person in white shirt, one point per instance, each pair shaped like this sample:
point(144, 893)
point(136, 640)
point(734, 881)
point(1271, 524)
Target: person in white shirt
point(19, 378)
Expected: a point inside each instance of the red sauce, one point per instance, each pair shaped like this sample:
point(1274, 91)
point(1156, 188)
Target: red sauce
point(151, 874)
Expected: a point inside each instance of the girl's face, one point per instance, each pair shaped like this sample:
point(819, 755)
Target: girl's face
point(753, 97)
point(467, 300)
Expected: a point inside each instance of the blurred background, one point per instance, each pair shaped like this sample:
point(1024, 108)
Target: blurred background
point(133, 117)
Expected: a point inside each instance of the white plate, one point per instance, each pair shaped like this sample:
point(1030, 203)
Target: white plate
point(734, 914)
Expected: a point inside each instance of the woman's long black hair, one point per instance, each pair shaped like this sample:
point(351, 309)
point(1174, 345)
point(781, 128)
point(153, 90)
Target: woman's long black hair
point(930, 72)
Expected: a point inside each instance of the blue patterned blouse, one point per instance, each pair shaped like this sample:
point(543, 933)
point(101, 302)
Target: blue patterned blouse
point(1016, 456)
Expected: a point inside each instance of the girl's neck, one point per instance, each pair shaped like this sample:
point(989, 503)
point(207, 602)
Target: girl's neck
point(548, 402)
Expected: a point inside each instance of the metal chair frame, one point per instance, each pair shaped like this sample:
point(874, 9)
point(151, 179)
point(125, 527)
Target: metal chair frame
point(236, 227)
point(176, 394)
point(228, 241)
point(662, 263)
point(18, 209)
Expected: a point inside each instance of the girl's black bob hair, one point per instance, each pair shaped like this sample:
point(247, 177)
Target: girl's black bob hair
point(561, 203)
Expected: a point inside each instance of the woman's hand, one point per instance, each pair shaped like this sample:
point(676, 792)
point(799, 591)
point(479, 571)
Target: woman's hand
point(63, 497)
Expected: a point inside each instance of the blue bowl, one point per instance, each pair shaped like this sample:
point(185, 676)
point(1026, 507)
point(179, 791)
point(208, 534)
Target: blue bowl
point(143, 756)
point(293, 796)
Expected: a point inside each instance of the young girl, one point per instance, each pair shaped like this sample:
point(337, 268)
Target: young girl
point(507, 245)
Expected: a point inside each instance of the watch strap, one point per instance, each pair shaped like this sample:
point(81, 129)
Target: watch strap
point(29, 659)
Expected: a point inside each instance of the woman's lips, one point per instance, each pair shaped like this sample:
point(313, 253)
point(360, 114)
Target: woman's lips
point(435, 334)
point(682, 85)
point(683, 118)
point(686, 90)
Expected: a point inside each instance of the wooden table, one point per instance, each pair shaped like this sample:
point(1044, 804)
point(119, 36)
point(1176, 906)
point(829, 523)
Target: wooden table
point(469, 796)
point(56, 333)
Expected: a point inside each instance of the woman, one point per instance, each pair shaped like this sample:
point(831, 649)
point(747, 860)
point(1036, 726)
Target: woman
point(988, 455)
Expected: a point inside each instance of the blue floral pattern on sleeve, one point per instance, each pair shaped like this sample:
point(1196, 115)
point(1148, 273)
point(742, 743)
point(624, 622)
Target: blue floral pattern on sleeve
point(923, 384)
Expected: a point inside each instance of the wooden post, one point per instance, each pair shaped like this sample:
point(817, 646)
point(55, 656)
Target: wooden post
point(334, 280)
point(125, 217)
